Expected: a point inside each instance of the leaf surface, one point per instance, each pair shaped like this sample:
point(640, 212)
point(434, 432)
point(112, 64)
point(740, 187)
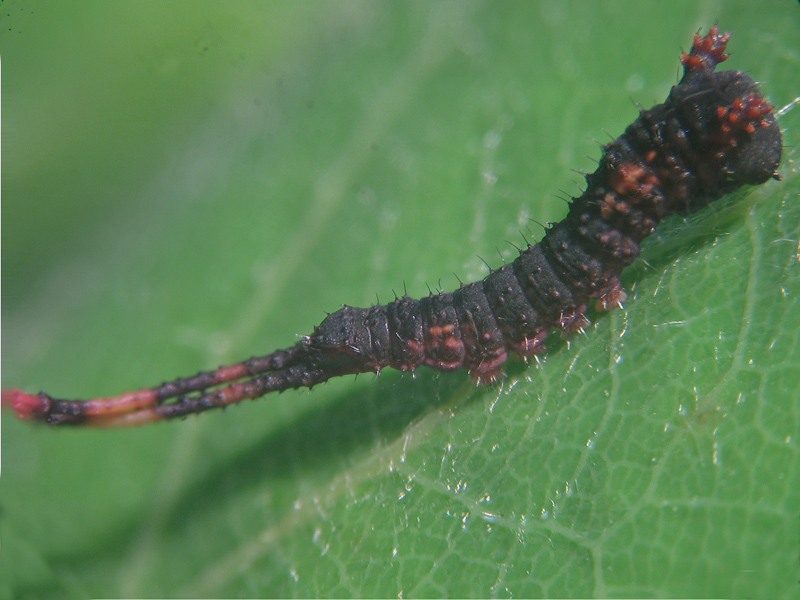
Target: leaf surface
point(186, 191)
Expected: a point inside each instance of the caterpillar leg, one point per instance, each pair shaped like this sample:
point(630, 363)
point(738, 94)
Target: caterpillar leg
point(296, 367)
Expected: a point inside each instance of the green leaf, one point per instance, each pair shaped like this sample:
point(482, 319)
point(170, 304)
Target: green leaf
point(186, 189)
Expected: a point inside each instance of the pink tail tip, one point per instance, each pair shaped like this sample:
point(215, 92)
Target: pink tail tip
point(27, 406)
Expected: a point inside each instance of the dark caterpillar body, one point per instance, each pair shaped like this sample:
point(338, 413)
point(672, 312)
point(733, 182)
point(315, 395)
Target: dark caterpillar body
point(713, 134)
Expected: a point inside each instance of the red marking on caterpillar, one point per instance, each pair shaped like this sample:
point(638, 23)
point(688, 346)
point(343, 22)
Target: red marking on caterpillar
point(714, 133)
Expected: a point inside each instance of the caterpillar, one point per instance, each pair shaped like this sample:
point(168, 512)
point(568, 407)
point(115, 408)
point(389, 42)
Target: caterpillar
point(714, 133)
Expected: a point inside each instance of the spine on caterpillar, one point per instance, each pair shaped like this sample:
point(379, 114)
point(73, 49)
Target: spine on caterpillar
point(713, 134)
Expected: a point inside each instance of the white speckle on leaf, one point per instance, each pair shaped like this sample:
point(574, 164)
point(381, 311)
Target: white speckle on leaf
point(489, 517)
point(635, 83)
point(492, 139)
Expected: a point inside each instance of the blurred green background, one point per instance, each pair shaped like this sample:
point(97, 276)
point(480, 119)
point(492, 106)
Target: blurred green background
point(188, 184)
